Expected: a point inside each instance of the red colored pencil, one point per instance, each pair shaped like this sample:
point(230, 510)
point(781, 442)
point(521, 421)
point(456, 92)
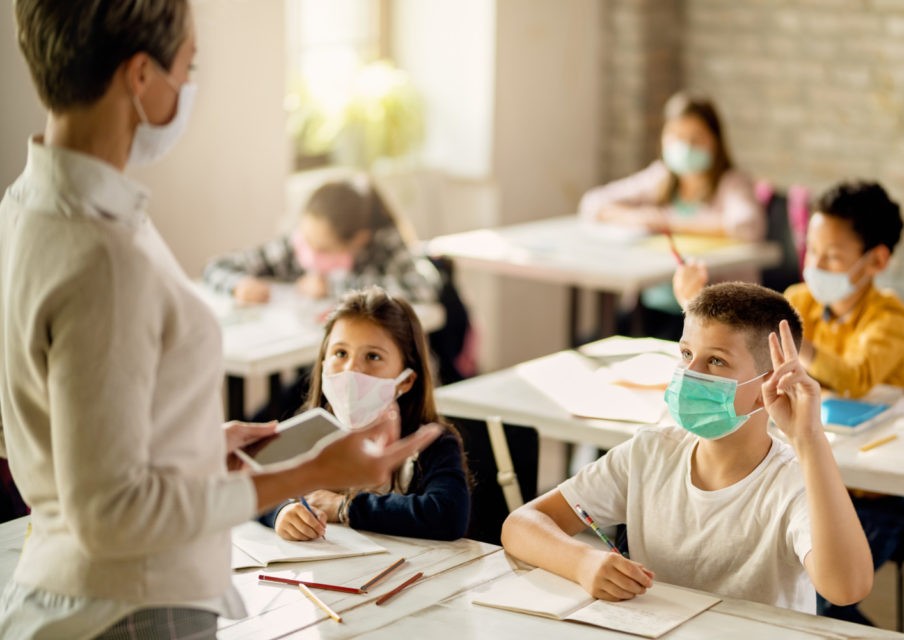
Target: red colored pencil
point(386, 596)
point(673, 248)
point(311, 585)
point(382, 575)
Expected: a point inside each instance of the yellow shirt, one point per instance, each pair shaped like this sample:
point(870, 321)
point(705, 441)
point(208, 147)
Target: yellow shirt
point(860, 350)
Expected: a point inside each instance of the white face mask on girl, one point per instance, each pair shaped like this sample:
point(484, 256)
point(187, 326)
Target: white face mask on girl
point(358, 399)
point(151, 141)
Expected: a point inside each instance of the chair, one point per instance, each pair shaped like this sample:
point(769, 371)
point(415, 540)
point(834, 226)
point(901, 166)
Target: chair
point(787, 215)
point(450, 343)
point(898, 559)
point(489, 504)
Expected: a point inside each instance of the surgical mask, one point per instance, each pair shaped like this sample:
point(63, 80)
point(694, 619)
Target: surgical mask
point(829, 287)
point(358, 399)
point(152, 141)
point(684, 159)
point(320, 261)
point(704, 404)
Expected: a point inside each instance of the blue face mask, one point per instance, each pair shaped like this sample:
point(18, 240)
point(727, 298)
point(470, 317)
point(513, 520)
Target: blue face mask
point(704, 404)
point(685, 159)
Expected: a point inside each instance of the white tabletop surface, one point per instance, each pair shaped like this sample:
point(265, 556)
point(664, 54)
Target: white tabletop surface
point(567, 250)
point(508, 394)
point(439, 606)
point(284, 333)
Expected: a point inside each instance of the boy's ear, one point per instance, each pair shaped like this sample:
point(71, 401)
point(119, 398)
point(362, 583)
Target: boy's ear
point(878, 259)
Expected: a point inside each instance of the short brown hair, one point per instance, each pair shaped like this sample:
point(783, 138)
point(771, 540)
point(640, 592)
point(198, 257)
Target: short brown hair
point(73, 47)
point(751, 308)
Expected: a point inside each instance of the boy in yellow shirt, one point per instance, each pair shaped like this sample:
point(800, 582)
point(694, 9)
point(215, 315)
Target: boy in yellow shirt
point(716, 503)
point(853, 332)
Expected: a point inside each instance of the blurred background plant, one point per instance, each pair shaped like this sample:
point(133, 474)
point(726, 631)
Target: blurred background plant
point(380, 115)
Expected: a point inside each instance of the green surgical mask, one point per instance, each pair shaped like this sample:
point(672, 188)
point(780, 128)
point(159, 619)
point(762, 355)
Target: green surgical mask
point(704, 404)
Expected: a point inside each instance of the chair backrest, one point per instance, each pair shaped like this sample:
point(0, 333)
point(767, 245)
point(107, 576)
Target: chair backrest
point(787, 215)
point(488, 504)
point(452, 340)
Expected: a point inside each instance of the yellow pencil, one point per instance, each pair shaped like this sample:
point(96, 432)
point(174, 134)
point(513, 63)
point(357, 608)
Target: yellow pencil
point(878, 442)
point(320, 603)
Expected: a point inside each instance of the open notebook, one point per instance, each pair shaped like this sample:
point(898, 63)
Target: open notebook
point(254, 545)
point(541, 593)
point(576, 384)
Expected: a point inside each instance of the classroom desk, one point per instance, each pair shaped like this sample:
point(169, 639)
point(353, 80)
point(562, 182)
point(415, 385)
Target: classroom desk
point(263, 340)
point(439, 606)
point(566, 250)
point(508, 395)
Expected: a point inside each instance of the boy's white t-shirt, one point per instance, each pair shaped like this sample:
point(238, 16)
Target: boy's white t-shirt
point(747, 541)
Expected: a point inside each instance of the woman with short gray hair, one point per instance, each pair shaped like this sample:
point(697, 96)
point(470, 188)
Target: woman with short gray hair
point(110, 410)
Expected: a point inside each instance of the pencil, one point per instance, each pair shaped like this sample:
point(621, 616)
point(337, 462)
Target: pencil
point(673, 247)
point(878, 442)
point(386, 596)
point(382, 575)
point(596, 529)
point(320, 603)
point(305, 504)
point(310, 585)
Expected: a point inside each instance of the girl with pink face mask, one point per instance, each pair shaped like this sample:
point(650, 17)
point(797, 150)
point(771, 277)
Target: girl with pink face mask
point(373, 366)
point(346, 238)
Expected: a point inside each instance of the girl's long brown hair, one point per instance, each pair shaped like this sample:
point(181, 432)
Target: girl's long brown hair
point(684, 104)
point(398, 319)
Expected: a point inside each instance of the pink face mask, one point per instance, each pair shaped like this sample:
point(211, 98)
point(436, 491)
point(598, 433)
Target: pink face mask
point(358, 399)
point(320, 261)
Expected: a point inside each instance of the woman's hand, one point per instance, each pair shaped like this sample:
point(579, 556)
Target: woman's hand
point(688, 280)
point(611, 576)
point(246, 435)
point(295, 522)
point(251, 290)
point(326, 502)
point(790, 395)
point(313, 285)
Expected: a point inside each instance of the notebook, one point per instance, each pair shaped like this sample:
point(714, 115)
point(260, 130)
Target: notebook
point(254, 545)
point(541, 593)
point(842, 415)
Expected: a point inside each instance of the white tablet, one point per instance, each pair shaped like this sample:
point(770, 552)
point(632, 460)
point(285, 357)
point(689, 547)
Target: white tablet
point(294, 437)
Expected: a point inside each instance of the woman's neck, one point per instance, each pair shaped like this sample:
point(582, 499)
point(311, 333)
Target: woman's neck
point(98, 130)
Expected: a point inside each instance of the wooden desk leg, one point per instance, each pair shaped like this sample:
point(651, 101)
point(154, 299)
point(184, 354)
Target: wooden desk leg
point(235, 392)
point(574, 317)
point(607, 309)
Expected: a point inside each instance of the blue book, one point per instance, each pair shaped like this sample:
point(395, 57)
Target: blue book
point(851, 416)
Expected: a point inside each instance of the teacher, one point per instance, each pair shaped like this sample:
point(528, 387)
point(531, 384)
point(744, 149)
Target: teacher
point(110, 375)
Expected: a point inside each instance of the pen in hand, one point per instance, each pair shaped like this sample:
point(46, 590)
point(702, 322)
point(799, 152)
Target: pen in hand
point(307, 506)
point(583, 515)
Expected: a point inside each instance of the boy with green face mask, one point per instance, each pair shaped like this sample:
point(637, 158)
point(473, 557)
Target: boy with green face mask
point(720, 504)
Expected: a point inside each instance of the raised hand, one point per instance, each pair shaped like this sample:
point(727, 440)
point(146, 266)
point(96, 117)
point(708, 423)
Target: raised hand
point(689, 279)
point(790, 395)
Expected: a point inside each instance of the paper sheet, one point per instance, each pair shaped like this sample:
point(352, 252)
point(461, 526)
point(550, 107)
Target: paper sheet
point(258, 546)
point(621, 346)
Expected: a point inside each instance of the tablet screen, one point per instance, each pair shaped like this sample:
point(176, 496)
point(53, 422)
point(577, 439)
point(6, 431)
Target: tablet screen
point(295, 436)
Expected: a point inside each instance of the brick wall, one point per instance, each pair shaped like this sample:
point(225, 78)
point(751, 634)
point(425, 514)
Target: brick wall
point(811, 91)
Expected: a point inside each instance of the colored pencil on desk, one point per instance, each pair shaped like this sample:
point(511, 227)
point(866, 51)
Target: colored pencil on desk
point(383, 574)
point(320, 603)
point(596, 528)
point(410, 581)
point(311, 585)
point(878, 442)
point(673, 247)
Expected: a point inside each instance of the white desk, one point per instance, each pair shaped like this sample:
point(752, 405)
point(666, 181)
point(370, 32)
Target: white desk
point(265, 339)
point(507, 394)
point(439, 606)
point(566, 250)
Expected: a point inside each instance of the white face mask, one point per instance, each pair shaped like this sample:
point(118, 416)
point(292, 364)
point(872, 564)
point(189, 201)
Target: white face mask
point(829, 287)
point(358, 399)
point(152, 142)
